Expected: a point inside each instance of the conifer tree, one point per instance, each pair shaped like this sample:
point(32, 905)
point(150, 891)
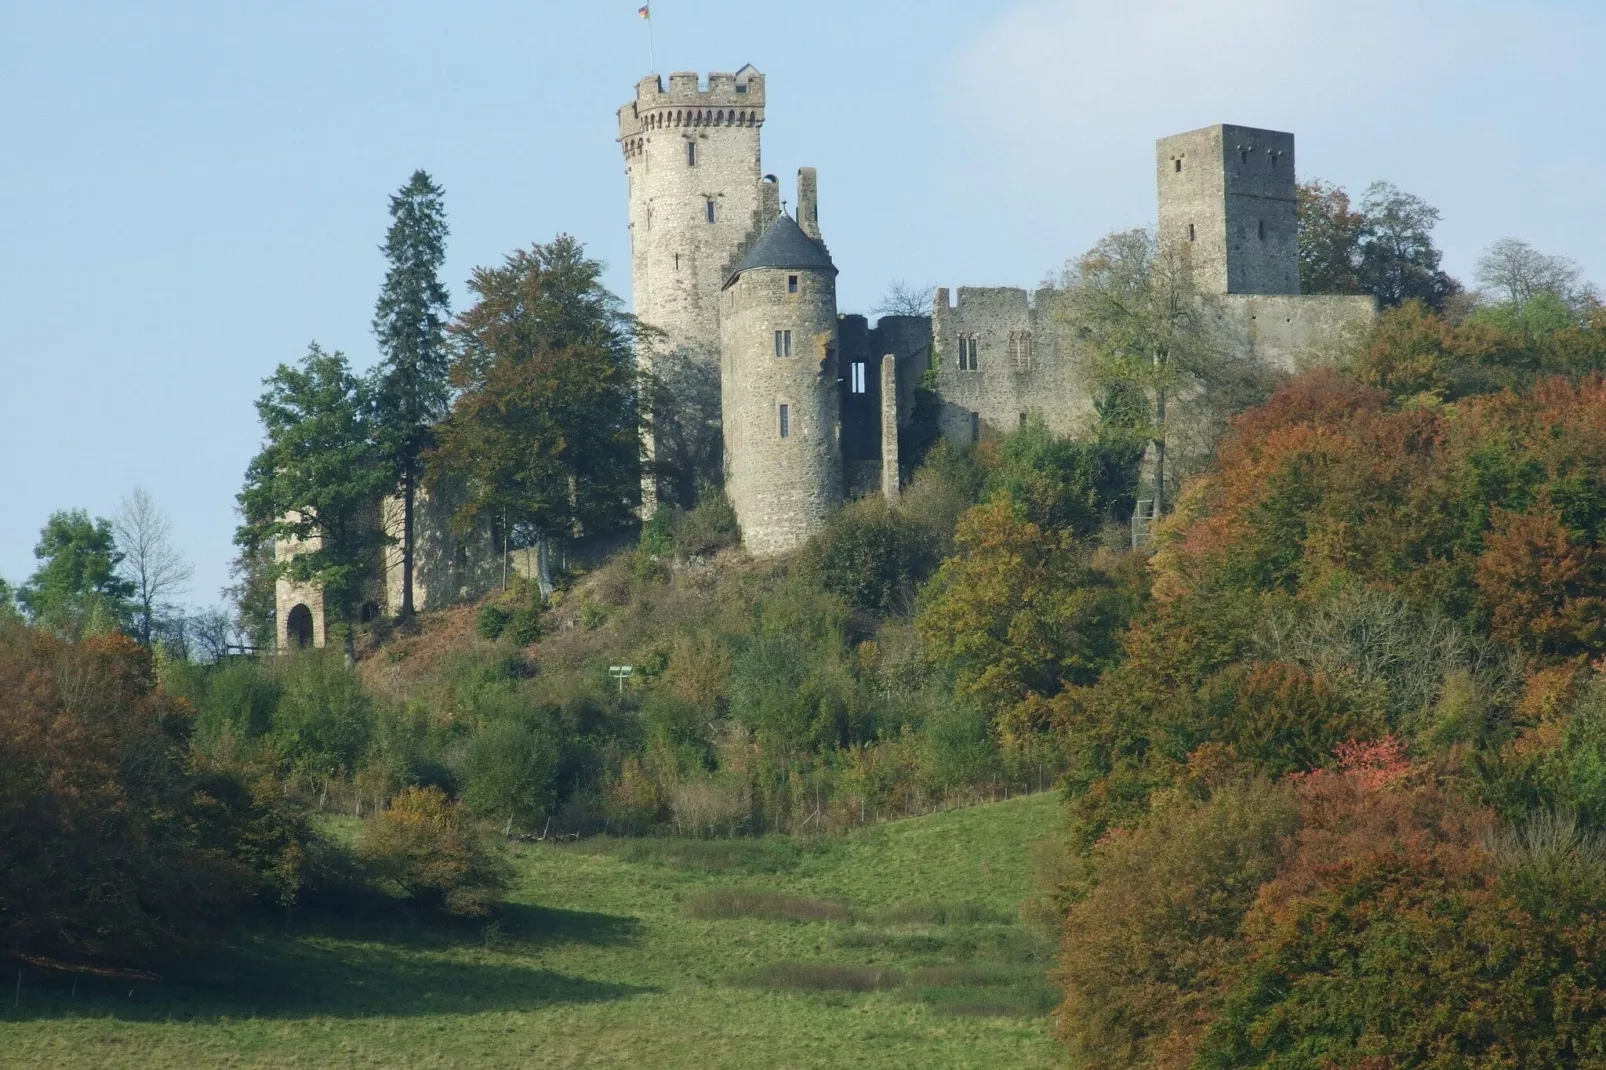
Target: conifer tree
point(410, 323)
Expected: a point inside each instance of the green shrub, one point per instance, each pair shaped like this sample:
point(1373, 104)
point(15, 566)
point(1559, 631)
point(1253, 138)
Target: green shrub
point(491, 621)
point(510, 769)
point(525, 625)
point(873, 556)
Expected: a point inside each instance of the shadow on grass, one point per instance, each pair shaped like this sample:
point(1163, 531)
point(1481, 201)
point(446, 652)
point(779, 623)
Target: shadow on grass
point(392, 965)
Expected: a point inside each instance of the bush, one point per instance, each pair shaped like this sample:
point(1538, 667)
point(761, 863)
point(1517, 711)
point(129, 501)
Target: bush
point(491, 621)
point(426, 846)
point(510, 769)
point(112, 850)
point(873, 556)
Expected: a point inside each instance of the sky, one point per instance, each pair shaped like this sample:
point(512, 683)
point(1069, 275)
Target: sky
point(192, 192)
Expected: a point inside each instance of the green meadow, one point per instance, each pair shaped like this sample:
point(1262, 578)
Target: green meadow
point(900, 945)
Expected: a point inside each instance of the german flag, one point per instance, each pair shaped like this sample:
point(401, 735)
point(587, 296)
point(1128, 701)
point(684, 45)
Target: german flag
point(644, 12)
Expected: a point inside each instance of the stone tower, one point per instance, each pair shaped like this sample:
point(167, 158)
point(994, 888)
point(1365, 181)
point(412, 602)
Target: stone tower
point(692, 158)
point(778, 385)
point(1227, 199)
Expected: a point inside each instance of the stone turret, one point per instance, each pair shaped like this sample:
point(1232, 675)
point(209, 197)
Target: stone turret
point(778, 380)
point(692, 157)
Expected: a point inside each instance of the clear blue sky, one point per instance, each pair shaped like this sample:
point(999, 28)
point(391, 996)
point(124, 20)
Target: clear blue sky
point(191, 192)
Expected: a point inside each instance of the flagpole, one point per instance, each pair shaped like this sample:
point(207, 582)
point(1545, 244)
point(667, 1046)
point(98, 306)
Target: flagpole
point(652, 59)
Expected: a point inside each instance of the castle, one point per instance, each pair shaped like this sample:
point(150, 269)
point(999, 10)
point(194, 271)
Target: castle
point(812, 400)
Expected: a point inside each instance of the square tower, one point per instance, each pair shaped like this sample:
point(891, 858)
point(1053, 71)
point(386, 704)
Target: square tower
point(1227, 201)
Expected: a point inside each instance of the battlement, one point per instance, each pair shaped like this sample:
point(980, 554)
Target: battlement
point(722, 100)
point(990, 301)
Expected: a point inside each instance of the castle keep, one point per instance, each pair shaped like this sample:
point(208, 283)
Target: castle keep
point(812, 400)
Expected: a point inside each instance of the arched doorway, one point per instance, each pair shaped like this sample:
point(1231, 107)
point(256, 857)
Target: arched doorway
point(298, 628)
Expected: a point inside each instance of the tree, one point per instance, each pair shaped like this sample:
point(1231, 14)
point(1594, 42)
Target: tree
point(1330, 236)
point(318, 481)
point(1146, 328)
point(410, 323)
point(77, 590)
point(1399, 261)
point(155, 568)
point(544, 435)
point(1517, 273)
point(901, 299)
point(8, 602)
point(1385, 248)
point(252, 597)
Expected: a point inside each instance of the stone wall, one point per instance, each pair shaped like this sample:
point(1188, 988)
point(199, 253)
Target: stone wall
point(1025, 363)
point(783, 489)
point(1293, 332)
point(1227, 199)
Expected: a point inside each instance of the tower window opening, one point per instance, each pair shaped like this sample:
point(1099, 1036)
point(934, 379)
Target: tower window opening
point(1260, 229)
point(1023, 420)
point(975, 427)
point(783, 343)
point(967, 353)
point(856, 378)
point(1177, 165)
point(1274, 161)
point(791, 284)
point(677, 261)
point(741, 87)
point(1190, 232)
point(1243, 154)
point(786, 421)
point(709, 205)
point(1020, 350)
point(691, 154)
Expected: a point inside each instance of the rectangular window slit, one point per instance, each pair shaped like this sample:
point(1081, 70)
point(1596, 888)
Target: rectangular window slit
point(783, 343)
point(786, 421)
point(791, 284)
point(691, 154)
point(856, 381)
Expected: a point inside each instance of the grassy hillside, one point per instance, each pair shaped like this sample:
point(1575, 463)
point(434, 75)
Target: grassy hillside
point(896, 946)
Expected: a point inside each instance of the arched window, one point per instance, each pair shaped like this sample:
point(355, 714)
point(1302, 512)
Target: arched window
point(1020, 350)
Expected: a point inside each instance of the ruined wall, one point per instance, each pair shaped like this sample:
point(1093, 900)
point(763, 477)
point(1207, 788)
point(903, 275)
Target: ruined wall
point(782, 488)
point(1025, 363)
point(448, 568)
point(1227, 201)
point(1295, 332)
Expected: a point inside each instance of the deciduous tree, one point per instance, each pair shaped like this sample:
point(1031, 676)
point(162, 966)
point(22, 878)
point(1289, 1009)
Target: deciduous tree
point(318, 480)
point(544, 435)
point(155, 567)
point(76, 589)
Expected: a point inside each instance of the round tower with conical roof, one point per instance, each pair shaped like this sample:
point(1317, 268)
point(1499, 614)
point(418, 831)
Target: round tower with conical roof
point(778, 387)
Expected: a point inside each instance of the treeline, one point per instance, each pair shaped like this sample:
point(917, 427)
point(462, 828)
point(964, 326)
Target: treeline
point(1338, 802)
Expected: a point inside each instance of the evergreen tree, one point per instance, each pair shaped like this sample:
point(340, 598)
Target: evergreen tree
point(76, 590)
point(318, 480)
point(410, 322)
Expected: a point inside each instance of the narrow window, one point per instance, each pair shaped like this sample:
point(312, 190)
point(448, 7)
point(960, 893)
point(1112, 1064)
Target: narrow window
point(1243, 155)
point(710, 207)
point(1274, 161)
point(1190, 232)
point(791, 284)
point(786, 421)
point(975, 427)
point(1023, 420)
point(856, 380)
point(1177, 164)
point(677, 261)
point(691, 154)
point(783, 343)
point(1260, 229)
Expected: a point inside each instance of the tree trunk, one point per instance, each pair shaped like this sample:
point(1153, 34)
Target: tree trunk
point(543, 564)
point(409, 492)
point(1159, 445)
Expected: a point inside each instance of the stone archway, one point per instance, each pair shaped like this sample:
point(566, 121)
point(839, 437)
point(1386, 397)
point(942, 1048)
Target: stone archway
point(298, 628)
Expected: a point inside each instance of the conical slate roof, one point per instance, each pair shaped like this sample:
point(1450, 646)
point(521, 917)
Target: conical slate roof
point(784, 245)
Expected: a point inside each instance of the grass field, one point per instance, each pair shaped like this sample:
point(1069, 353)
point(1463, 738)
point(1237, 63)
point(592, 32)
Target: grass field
point(898, 946)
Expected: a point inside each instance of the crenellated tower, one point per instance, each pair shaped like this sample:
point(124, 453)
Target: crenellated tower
point(1227, 200)
point(692, 158)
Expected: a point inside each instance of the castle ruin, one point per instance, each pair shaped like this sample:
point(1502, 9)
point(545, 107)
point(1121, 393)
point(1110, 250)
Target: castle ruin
point(812, 400)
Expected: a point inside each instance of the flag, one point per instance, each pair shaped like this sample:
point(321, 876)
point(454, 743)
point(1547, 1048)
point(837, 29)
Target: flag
point(644, 13)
